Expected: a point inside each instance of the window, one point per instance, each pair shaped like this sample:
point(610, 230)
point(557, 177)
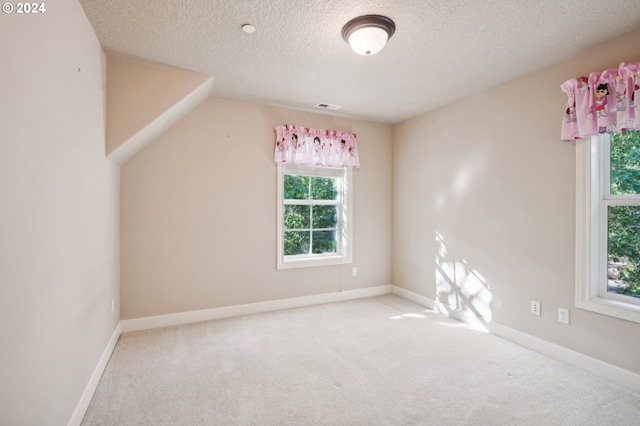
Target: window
point(314, 216)
point(608, 225)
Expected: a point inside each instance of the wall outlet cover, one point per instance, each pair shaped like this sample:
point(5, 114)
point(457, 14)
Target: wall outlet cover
point(535, 307)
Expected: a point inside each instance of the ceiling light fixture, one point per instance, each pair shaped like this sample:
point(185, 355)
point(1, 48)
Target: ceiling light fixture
point(368, 34)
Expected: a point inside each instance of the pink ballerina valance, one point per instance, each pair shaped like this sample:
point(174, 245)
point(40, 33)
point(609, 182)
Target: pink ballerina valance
point(604, 102)
point(315, 147)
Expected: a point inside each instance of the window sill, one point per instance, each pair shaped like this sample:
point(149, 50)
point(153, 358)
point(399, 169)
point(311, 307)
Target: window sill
point(612, 308)
point(313, 262)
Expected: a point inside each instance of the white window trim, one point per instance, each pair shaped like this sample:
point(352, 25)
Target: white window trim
point(345, 215)
point(591, 270)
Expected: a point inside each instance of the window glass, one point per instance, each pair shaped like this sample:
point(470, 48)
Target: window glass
point(297, 217)
point(324, 242)
point(296, 242)
point(325, 217)
point(623, 248)
point(296, 187)
point(623, 214)
point(324, 188)
point(625, 163)
point(314, 224)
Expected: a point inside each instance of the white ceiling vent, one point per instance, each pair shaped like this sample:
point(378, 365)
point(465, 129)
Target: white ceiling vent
point(328, 106)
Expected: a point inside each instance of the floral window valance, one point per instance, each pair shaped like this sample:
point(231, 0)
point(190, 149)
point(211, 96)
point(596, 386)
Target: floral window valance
point(604, 102)
point(315, 147)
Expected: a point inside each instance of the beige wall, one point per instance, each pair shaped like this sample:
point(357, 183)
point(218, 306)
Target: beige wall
point(198, 211)
point(58, 215)
point(489, 176)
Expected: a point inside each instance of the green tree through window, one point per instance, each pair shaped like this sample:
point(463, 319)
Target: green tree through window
point(624, 220)
point(310, 215)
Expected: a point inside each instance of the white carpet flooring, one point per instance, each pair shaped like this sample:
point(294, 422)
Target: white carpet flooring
point(375, 361)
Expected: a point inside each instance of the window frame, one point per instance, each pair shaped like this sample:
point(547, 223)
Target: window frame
point(344, 246)
point(592, 200)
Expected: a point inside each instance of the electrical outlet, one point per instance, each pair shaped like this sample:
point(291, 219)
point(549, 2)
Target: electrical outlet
point(113, 305)
point(563, 315)
point(535, 307)
point(354, 271)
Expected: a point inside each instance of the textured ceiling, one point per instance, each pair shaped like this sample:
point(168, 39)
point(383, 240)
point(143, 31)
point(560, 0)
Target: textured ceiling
point(441, 51)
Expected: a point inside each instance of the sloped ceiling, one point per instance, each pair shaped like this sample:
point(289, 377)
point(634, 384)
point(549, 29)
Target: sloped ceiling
point(144, 100)
point(441, 51)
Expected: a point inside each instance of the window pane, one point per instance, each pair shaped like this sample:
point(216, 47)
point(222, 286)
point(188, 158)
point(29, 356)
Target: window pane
point(296, 217)
point(623, 268)
point(324, 188)
point(325, 217)
point(296, 242)
point(324, 242)
point(625, 163)
point(296, 187)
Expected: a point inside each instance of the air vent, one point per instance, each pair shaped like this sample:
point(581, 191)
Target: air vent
point(328, 106)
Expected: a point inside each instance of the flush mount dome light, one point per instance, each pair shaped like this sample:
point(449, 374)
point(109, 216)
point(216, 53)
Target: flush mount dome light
point(368, 34)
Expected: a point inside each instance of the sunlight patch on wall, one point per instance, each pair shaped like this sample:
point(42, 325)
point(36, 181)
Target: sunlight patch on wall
point(459, 287)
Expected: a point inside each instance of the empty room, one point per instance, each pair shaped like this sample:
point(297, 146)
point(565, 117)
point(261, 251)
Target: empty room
point(334, 213)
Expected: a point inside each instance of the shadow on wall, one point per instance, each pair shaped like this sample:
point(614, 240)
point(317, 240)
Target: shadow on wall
point(461, 291)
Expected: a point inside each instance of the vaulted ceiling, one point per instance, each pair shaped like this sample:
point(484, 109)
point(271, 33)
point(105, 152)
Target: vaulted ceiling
point(442, 50)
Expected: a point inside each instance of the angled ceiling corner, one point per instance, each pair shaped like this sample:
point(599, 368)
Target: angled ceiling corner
point(144, 100)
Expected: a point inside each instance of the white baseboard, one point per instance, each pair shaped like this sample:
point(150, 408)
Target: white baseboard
point(594, 366)
point(611, 372)
point(251, 308)
point(89, 390)
point(414, 297)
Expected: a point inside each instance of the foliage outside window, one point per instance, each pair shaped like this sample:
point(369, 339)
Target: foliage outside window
point(313, 216)
point(608, 225)
point(622, 201)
